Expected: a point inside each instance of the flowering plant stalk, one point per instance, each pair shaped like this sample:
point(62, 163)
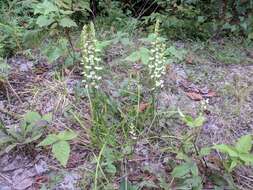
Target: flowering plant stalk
point(157, 63)
point(157, 60)
point(90, 57)
point(91, 50)
point(92, 75)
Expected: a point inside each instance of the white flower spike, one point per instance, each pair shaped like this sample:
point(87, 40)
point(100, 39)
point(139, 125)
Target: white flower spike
point(157, 60)
point(90, 57)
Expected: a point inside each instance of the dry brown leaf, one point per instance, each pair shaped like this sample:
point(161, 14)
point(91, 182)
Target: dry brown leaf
point(77, 49)
point(38, 78)
point(215, 160)
point(194, 96)
point(143, 106)
point(189, 58)
point(168, 67)
point(210, 94)
point(67, 71)
point(243, 1)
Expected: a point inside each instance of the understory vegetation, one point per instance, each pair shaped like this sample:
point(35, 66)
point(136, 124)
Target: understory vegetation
point(128, 95)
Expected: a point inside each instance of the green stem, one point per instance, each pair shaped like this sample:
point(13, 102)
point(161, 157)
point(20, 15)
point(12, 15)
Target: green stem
point(153, 103)
point(98, 166)
point(93, 123)
point(196, 147)
point(91, 105)
point(139, 98)
point(71, 45)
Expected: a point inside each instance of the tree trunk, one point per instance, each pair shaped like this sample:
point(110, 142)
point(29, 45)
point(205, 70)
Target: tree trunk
point(94, 8)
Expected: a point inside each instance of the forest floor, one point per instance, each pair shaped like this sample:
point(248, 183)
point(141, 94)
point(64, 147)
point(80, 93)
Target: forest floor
point(220, 72)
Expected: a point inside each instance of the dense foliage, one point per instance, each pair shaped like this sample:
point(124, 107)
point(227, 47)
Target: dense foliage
point(26, 22)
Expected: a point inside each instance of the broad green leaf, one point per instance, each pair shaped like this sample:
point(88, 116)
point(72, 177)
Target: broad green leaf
point(195, 183)
point(201, 19)
point(10, 147)
point(47, 117)
point(250, 36)
point(110, 158)
point(68, 62)
point(32, 117)
point(66, 4)
point(44, 21)
point(45, 8)
point(32, 139)
point(67, 22)
point(244, 25)
point(61, 151)
point(84, 5)
point(50, 139)
point(13, 132)
point(133, 57)
point(126, 41)
point(141, 55)
point(199, 121)
point(34, 37)
point(101, 45)
point(151, 37)
point(205, 151)
point(49, 7)
point(183, 156)
point(193, 123)
point(54, 54)
point(66, 135)
point(179, 54)
point(144, 55)
point(110, 168)
point(194, 169)
point(188, 121)
point(232, 165)
point(181, 170)
point(226, 149)
point(119, 37)
point(244, 144)
point(247, 158)
point(5, 140)
point(108, 154)
point(27, 128)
